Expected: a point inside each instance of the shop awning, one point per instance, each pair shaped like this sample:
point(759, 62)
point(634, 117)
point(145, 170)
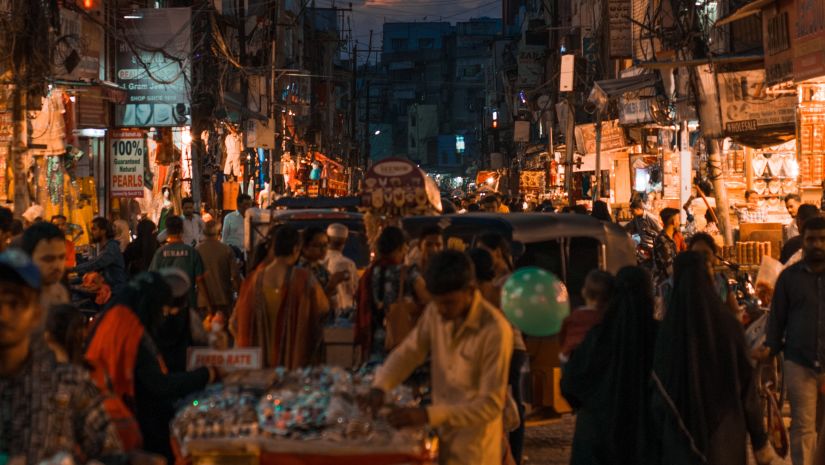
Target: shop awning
point(750, 9)
point(765, 137)
point(616, 87)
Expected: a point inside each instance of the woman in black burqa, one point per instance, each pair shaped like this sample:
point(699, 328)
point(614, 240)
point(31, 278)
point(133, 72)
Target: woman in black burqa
point(607, 377)
point(704, 400)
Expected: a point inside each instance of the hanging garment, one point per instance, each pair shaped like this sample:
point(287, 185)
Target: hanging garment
point(231, 189)
point(48, 128)
point(234, 146)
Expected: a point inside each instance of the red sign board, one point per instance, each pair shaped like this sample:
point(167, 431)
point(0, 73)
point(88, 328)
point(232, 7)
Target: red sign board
point(229, 360)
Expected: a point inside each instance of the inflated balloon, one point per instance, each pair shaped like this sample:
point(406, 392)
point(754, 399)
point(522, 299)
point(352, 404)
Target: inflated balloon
point(535, 301)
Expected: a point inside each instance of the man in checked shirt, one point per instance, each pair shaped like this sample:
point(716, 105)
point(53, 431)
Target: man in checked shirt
point(46, 408)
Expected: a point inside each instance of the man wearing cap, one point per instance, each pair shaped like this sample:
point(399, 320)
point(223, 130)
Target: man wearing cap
point(46, 407)
point(337, 263)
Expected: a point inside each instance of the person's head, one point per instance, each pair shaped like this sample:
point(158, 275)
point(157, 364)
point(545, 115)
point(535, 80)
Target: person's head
point(792, 203)
point(145, 229)
point(244, 202)
point(813, 240)
point(392, 244)
point(20, 312)
point(211, 229)
point(430, 242)
point(187, 204)
point(490, 203)
point(315, 244)
point(45, 243)
point(483, 263)
point(66, 332)
point(597, 289)
point(752, 199)
point(637, 208)
point(670, 218)
point(61, 222)
point(287, 244)
point(804, 213)
point(101, 230)
point(174, 225)
point(704, 244)
point(601, 211)
point(338, 234)
point(499, 248)
point(450, 279)
point(159, 299)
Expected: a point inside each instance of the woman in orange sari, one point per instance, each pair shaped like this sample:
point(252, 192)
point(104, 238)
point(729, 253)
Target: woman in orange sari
point(281, 308)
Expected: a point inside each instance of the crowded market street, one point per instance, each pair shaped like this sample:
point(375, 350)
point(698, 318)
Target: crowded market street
point(421, 232)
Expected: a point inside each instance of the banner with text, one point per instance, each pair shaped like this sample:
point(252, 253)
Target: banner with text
point(230, 359)
point(127, 149)
point(747, 107)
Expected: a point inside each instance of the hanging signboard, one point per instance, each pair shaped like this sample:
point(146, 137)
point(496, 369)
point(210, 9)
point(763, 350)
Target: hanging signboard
point(530, 66)
point(153, 67)
point(621, 44)
point(127, 149)
point(746, 107)
point(612, 137)
point(808, 49)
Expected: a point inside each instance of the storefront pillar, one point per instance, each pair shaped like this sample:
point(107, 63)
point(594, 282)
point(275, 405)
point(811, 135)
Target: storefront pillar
point(720, 189)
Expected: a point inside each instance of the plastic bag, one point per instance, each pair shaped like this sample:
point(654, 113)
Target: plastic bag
point(769, 271)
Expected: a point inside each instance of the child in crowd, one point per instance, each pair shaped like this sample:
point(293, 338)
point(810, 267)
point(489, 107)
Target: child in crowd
point(598, 287)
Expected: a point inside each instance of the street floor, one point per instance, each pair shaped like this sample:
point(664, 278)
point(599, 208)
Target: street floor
point(550, 443)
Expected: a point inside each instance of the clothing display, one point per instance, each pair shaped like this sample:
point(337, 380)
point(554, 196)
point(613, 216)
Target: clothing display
point(48, 128)
point(234, 147)
point(231, 189)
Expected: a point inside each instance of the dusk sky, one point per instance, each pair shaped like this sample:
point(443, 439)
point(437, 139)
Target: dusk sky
point(371, 14)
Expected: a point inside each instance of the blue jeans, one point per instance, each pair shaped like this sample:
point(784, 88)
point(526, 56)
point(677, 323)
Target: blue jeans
point(806, 402)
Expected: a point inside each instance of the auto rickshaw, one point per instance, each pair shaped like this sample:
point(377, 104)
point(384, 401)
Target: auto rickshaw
point(568, 245)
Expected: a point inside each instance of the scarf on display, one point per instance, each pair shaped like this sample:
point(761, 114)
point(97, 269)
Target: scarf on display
point(54, 179)
point(366, 306)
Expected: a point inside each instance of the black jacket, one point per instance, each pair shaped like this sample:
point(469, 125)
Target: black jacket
point(155, 395)
point(797, 320)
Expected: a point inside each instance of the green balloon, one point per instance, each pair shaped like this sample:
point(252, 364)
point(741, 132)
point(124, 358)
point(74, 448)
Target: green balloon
point(535, 301)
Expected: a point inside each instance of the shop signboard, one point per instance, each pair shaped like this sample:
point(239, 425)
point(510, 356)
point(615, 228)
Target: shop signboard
point(621, 43)
point(153, 67)
point(531, 66)
point(809, 43)
point(746, 106)
point(612, 137)
point(127, 149)
point(778, 30)
point(249, 358)
point(635, 110)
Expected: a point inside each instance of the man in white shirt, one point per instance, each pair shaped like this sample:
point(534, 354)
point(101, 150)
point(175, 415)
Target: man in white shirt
point(193, 225)
point(336, 262)
point(233, 224)
point(469, 343)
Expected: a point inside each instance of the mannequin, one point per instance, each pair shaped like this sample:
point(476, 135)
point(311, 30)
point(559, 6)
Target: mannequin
point(166, 209)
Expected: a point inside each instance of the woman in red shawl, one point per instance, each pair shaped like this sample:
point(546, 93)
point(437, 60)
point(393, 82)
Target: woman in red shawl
point(281, 307)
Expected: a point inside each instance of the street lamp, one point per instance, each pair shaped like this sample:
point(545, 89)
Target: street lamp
point(377, 132)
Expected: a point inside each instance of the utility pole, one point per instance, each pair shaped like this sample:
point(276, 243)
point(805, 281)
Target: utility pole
point(367, 133)
point(274, 114)
point(353, 130)
point(20, 71)
point(569, 136)
point(244, 79)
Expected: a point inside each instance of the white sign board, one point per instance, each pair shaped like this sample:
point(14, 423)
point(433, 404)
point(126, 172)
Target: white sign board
point(531, 66)
point(230, 360)
point(746, 107)
point(127, 149)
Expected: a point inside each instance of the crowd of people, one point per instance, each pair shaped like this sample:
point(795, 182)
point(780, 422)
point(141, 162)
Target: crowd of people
point(655, 363)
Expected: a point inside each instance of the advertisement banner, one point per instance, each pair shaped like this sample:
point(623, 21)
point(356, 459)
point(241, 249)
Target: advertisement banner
point(127, 149)
point(153, 65)
point(809, 46)
point(229, 360)
point(530, 66)
point(612, 137)
point(621, 39)
point(746, 107)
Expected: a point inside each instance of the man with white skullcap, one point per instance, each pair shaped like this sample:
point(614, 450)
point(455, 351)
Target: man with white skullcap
point(336, 262)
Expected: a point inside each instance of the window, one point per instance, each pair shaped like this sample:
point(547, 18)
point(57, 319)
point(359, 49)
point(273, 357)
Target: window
point(426, 43)
point(399, 44)
point(778, 34)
